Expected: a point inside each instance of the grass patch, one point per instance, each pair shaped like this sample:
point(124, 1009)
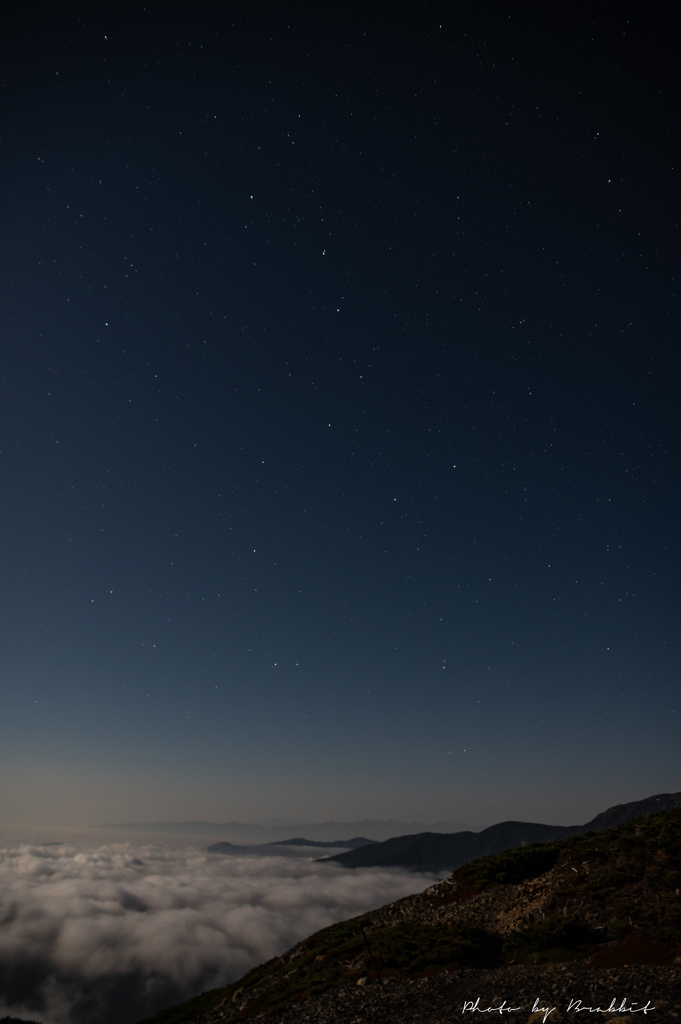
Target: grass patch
point(340, 955)
point(552, 940)
point(510, 867)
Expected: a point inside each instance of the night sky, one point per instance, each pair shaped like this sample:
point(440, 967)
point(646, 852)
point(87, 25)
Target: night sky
point(339, 441)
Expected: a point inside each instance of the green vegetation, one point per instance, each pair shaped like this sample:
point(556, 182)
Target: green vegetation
point(414, 946)
point(627, 879)
point(183, 1013)
point(509, 867)
point(342, 953)
point(645, 849)
point(553, 940)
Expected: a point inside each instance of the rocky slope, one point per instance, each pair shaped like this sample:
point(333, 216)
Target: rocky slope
point(592, 921)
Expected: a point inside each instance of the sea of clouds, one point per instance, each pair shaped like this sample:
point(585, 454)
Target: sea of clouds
point(113, 934)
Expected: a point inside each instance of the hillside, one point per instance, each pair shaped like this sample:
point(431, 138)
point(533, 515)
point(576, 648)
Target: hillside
point(434, 851)
point(593, 920)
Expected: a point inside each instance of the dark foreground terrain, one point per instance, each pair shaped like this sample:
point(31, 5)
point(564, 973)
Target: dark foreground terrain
point(585, 928)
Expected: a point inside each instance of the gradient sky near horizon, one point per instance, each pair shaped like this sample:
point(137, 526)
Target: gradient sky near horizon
point(339, 415)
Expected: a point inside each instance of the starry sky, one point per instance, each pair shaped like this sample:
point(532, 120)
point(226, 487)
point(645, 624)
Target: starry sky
point(339, 440)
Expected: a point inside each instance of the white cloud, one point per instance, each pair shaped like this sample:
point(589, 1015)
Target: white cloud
point(114, 933)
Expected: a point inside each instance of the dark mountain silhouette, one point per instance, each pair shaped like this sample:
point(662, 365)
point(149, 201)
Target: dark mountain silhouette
point(234, 848)
point(241, 832)
point(349, 844)
point(436, 851)
point(620, 813)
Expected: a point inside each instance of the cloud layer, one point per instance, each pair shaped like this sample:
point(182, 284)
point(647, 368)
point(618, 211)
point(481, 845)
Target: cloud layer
point(110, 935)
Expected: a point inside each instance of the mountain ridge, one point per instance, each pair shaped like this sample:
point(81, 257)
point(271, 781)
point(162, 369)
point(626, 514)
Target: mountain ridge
point(272, 848)
point(435, 852)
point(351, 844)
point(376, 830)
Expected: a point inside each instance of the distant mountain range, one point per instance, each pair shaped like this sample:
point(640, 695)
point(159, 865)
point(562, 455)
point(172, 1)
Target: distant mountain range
point(435, 852)
point(281, 830)
point(347, 844)
point(442, 846)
